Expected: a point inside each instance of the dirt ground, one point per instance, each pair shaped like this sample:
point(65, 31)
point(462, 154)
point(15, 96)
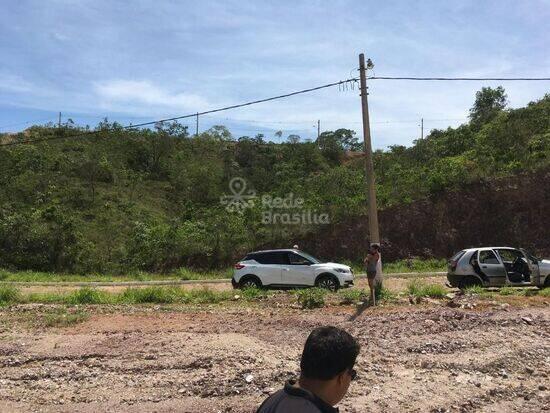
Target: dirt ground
point(393, 283)
point(492, 356)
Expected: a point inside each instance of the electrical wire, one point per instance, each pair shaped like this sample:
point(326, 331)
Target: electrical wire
point(138, 125)
point(340, 83)
point(460, 78)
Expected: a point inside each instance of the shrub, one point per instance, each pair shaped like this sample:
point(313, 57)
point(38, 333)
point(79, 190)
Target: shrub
point(352, 295)
point(150, 295)
point(9, 295)
point(312, 298)
point(87, 295)
point(254, 293)
point(383, 294)
point(418, 288)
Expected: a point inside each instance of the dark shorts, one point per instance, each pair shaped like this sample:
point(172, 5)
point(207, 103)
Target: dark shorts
point(371, 275)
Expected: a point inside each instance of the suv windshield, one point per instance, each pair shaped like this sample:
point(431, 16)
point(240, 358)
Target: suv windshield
point(309, 257)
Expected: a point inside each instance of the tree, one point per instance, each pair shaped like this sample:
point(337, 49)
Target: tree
point(294, 139)
point(489, 102)
point(333, 144)
point(218, 132)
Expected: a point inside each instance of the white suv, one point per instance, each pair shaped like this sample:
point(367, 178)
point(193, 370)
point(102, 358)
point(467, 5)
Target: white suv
point(289, 268)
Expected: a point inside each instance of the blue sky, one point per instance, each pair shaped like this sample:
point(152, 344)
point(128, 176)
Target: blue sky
point(135, 61)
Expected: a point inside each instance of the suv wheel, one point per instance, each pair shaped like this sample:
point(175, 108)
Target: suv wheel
point(250, 281)
point(328, 282)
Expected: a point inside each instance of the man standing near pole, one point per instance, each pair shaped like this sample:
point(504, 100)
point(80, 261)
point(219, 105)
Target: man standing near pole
point(371, 264)
point(369, 168)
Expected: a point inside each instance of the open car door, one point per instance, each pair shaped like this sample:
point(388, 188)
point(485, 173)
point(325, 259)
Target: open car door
point(533, 264)
point(491, 267)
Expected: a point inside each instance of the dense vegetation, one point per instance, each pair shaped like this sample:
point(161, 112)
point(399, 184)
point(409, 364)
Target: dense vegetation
point(118, 199)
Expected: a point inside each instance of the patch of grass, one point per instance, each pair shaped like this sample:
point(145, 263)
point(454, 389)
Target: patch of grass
point(205, 296)
point(419, 288)
point(507, 291)
point(9, 295)
point(475, 289)
point(88, 295)
point(352, 295)
point(170, 295)
point(64, 318)
point(384, 294)
point(415, 265)
point(159, 295)
point(45, 298)
point(179, 274)
point(187, 274)
point(545, 292)
point(312, 297)
point(254, 293)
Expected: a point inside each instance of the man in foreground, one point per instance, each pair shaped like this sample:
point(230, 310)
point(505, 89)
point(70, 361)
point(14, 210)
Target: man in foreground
point(326, 373)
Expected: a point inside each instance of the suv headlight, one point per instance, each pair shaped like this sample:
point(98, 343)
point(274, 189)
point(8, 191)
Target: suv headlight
point(341, 270)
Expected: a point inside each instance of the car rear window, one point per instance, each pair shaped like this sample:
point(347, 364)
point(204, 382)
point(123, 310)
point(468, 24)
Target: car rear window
point(488, 257)
point(458, 255)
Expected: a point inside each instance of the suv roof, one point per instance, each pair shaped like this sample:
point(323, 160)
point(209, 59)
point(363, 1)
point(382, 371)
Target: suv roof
point(277, 250)
point(497, 248)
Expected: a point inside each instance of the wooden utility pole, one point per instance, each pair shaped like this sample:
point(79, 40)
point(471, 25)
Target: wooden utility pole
point(369, 168)
point(318, 128)
point(197, 126)
point(422, 128)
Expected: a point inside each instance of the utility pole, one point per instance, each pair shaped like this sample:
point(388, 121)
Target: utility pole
point(59, 121)
point(369, 168)
point(197, 126)
point(318, 128)
point(422, 128)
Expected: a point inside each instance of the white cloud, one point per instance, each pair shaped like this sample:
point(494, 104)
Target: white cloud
point(14, 83)
point(143, 96)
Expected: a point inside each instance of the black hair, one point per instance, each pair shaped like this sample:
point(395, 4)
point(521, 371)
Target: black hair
point(328, 352)
point(376, 247)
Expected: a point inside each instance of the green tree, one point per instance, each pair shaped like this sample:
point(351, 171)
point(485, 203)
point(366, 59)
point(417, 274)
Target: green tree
point(489, 102)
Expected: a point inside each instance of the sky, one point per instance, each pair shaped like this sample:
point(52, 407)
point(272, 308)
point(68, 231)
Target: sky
point(138, 61)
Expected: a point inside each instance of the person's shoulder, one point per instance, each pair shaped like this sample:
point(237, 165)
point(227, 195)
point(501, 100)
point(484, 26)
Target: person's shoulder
point(282, 402)
point(270, 404)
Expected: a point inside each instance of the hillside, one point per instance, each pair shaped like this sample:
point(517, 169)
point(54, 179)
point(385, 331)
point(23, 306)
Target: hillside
point(509, 211)
point(119, 200)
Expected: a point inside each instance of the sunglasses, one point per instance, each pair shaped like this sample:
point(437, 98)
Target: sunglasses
point(353, 374)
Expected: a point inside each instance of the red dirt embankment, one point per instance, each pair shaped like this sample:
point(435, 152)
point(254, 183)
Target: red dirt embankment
point(511, 211)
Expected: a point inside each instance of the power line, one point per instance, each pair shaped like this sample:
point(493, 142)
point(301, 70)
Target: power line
point(254, 102)
point(460, 78)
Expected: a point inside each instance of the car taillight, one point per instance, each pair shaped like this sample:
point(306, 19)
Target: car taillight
point(239, 266)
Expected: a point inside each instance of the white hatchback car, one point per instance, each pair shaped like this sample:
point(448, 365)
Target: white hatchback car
point(289, 268)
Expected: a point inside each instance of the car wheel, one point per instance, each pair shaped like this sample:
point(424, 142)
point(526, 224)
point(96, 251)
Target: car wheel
point(250, 281)
point(546, 283)
point(469, 281)
point(328, 282)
